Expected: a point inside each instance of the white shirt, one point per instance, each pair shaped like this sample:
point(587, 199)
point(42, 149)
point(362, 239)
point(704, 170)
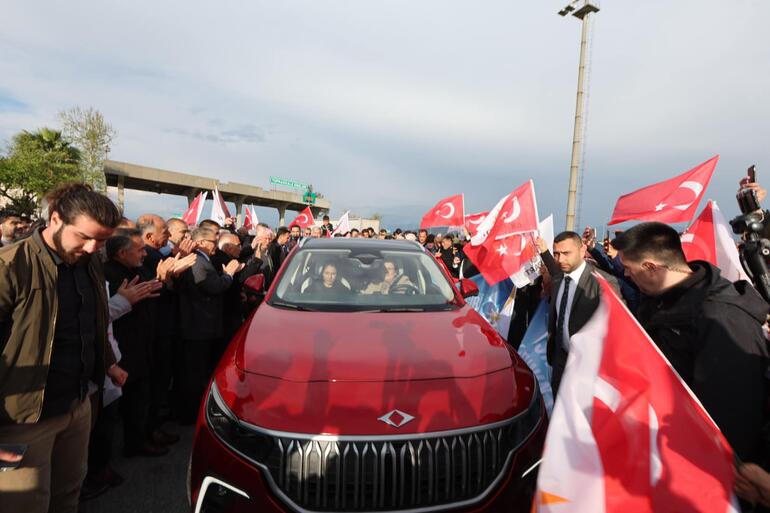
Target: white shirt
point(575, 277)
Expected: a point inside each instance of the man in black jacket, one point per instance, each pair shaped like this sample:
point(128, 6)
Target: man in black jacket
point(135, 333)
point(201, 295)
point(709, 329)
point(574, 296)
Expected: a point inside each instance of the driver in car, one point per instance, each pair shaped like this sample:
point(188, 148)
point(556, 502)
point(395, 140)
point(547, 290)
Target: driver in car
point(329, 287)
point(391, 281)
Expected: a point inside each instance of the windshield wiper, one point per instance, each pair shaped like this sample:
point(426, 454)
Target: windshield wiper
point(292, 306)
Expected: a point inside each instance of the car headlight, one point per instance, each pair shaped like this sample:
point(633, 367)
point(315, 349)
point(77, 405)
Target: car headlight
point(528, 420)
point(234, 433)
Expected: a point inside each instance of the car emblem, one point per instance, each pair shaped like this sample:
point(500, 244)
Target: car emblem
point(396, 418)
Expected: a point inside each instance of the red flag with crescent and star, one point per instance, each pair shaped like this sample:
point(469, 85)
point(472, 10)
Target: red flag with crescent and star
point(626, 433)
point(515, 213)
point(498, 259)
point(304, 219)
point(671, 201)
point(447, 212)
point(473, 221)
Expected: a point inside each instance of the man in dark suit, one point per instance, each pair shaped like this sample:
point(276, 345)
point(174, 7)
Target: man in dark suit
point(201, 296)
point(574, 296)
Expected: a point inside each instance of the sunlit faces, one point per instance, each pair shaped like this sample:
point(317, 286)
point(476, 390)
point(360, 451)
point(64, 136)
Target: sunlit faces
point(569, 254)
point(390, 272)
point(329, 275)
point(133, 256)
point(77, 240)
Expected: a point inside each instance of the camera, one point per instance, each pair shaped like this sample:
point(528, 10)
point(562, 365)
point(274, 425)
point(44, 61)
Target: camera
point(754, 248)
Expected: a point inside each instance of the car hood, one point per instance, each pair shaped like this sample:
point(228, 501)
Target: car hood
point(366, 346)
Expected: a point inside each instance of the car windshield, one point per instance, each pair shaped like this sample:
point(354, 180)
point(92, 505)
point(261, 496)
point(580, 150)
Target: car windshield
point(363, 279)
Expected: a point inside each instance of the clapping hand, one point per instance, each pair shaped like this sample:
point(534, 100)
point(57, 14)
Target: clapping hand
point(182, 264)
point(232, 267)
point(134, 291)
point(186, 247)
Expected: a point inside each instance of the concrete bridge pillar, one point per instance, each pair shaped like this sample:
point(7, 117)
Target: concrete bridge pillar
point(282, 215)
point(121, 193)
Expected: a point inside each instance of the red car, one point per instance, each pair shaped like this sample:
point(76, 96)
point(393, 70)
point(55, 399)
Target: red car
point(364, 382)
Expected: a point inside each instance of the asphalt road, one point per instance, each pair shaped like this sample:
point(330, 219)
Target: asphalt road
point(153, 485)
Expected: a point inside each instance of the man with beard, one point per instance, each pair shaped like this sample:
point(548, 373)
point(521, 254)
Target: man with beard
point(11, 227)
point(53, 340)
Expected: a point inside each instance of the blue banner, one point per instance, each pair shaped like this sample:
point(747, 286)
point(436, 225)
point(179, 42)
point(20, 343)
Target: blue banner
point(494, 303)
point(533, 351)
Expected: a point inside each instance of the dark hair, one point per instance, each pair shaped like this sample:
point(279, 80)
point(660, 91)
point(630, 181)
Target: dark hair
point(282, 230)
point(563, 236)
point(120, 240)
point(656, 240)
point(422, 230)
point(71, 200)
point(354, 230)
point(5, 214)
point(210, 223)
point(326, 218)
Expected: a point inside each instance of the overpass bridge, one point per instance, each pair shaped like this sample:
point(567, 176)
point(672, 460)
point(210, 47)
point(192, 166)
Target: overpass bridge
point(142, 178)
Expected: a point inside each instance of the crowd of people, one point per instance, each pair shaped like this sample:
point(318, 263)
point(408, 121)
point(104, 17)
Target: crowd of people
point(106, 320)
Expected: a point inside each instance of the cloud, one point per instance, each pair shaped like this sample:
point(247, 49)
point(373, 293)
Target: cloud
point(390, 105)
point(241, 134)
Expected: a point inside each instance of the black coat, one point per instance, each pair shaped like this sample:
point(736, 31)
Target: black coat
point(201, 300)
point(166, 303)
point(584, 302)
point(135, 331)
point(711, 331)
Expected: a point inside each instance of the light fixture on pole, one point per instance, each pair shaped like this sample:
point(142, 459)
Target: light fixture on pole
point(579, 9)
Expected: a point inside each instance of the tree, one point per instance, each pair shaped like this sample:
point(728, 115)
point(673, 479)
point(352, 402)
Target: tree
point(35, 163)
point(87, 129)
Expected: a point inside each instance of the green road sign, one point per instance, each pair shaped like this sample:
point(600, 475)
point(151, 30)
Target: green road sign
point(287, 183)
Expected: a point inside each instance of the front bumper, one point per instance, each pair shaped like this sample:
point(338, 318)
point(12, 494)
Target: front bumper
point(224, 482)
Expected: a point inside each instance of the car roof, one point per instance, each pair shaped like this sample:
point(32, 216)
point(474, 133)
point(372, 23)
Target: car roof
point(361, 243)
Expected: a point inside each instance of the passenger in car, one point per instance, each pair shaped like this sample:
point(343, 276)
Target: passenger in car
point(388, 277)
point(329, 286)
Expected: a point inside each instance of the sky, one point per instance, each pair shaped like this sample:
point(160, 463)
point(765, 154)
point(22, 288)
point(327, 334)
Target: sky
point(388, 106)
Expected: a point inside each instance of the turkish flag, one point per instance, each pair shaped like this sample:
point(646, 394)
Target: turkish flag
point(447, 212)
point(498, 259)
point(194, 211)
point(626, 432)
point(473, 221)
point(250, 219)
point(710, 238)
point(515, 213)
point(672, 201)
point(304, 219)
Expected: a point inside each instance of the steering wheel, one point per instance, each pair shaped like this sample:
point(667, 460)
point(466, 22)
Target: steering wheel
point(406, 288)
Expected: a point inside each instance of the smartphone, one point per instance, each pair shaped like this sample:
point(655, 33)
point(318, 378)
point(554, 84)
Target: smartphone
point(19, 449)
point(593, 233)
point(752, 174)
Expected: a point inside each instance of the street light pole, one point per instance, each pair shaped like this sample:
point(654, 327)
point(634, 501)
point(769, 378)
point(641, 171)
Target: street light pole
point(581, 12)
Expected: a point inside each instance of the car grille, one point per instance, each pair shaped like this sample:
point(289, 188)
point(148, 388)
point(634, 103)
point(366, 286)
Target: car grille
point(388, 475)
point(425, 472)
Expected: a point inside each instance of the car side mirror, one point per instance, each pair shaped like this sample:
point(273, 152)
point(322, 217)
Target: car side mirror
point(255, 284)
point(468, 288)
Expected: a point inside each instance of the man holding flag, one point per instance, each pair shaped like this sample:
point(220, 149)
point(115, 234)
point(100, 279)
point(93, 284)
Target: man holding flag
point(709, 328)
